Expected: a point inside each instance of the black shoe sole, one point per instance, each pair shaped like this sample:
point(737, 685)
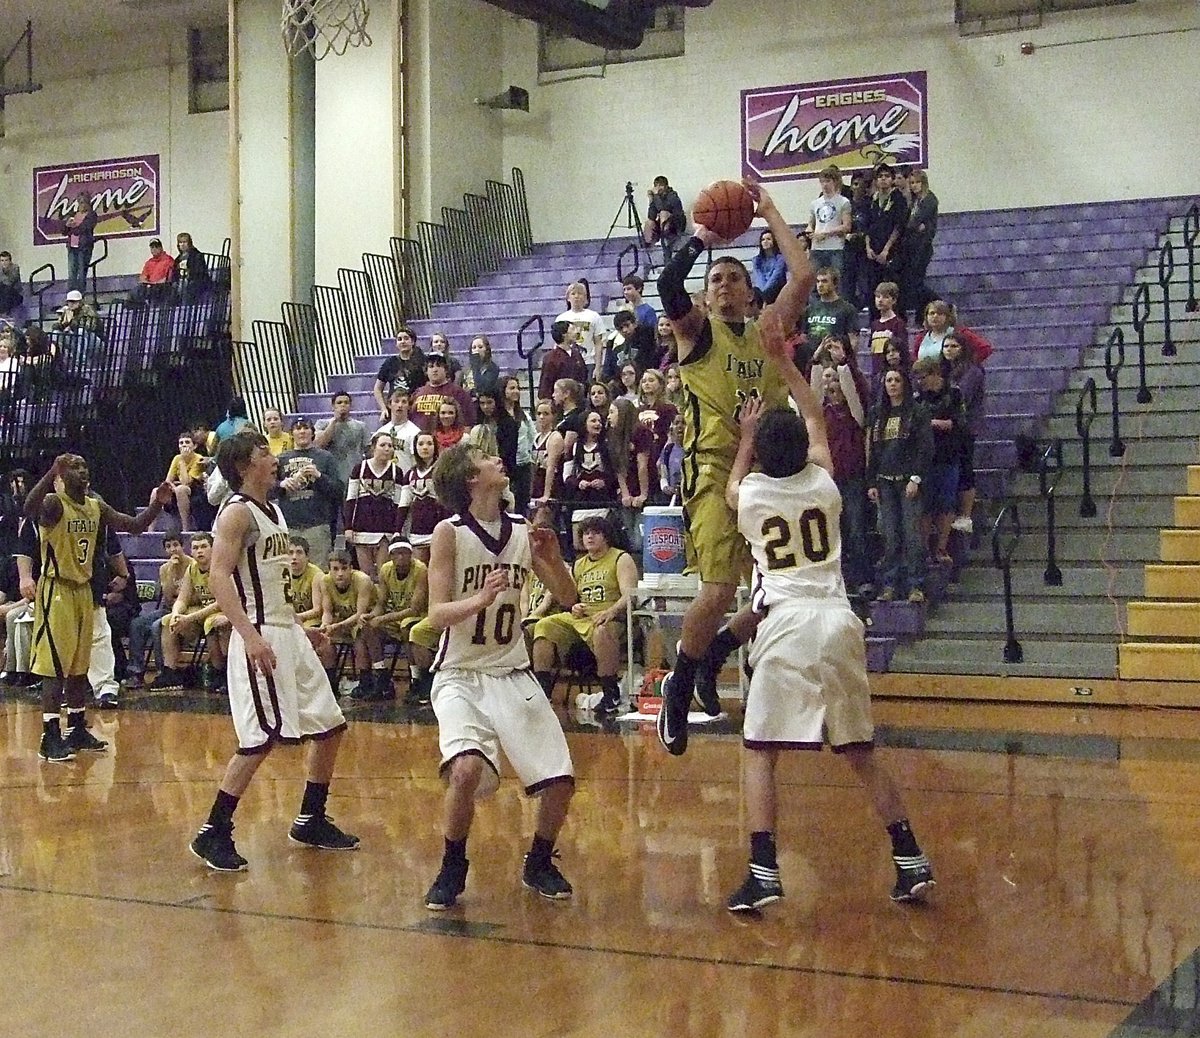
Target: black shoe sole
point(762, 902)
point(541, 893)
point(56, 760)
point(321, 846)
point(216, 868)
point(918, 893)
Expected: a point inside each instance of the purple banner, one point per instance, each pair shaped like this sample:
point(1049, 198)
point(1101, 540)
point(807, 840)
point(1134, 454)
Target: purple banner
point(791, 132)
point(125, 195)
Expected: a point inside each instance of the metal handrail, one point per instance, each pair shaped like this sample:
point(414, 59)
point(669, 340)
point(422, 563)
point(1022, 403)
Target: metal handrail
point(1087, 505)
point(1116, 340)
point(1191, 231)
point(1050, 464)
point(530, 356)
point(1002, 555)
point(96, 261)
point(1140, 312)
point(631, 247)
point(1166, 268)
point(37, 293)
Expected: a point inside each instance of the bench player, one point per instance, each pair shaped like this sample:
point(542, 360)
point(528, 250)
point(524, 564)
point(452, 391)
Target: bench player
point(722, 365)
point(809, 683)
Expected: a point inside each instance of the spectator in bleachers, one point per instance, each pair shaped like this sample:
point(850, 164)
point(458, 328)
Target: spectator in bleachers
point(76, 315)
point(668, 349)
point(483, 374)
point(495, 432)
point(829, 223)
point(962, 371)
point(631, 290)
point(306, 584)
point(203, 437)
point(585, 327)
point(418, 500)
point(522, 478)
point(916, 246)
point(427, 402)
point(544, 429)
point(344, 437)
point(854, 252)
point(439, 342)
point(12, 371)
point(80, 229)
point(899, 445)
point(185, 474)
point(593, 476)
point(947, 420)
point(403, 370)
point(670, 464)
point(653, 409)
point(191, 275)
point(631, 450)
point(599, 396)
point(641, 345)
point(895, 358)
point(888, 326)
point(145, 629)
point(560, 448)
point(310, 491)
point(665, 218)
point(673, 393)
point(536, 599)
point(828, 314)
point(627, 385)
point(278, 438)
point(195, 613)
point(11, 289)
point(349, 600)
point(237, 417)
point(605, 577)
point(12, 604)
point(941, 320)
point(154, 282)
point(450, 428)
point(401, 427)
point(562, 360)
point(12, 504)
point(371, 512)
point(768, 272)
point(18, 623)
point(885, 225)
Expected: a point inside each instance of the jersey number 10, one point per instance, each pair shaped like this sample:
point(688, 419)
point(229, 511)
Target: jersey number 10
point(814, 539)
point(504, 626)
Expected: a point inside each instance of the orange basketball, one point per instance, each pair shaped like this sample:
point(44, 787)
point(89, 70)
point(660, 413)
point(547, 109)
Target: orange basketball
point(725, 208)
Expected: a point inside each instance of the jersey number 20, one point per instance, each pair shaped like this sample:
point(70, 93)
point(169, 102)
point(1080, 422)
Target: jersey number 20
point(814, 539)
point(505, 625)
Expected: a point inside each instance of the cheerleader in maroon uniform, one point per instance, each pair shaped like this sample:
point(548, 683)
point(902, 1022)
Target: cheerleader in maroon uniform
point(418, 501)
point(371, 512)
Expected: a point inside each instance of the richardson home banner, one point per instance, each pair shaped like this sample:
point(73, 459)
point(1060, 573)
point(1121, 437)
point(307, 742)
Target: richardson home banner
point(791, 132)
point(125, 195)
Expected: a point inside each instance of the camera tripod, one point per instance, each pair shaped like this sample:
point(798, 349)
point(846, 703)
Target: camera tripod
point(627, 209)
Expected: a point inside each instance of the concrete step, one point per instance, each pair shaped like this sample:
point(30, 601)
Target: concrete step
point(1146, 424)
point(1187, 511)
point(1055, 657)
point(1135, 511)
point(1193, 479)
point(1163, 620)
point(1166, 397)
point(1126, 544)
point(1031, 616)
point(1179, 581)
point(1159, 661)
point(1150, 450)
point(983, 582)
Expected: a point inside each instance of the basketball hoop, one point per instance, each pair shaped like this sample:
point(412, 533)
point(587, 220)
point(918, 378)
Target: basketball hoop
point(321, 26)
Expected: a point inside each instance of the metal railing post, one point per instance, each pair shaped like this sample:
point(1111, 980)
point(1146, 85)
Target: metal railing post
point(1116, 448)
point(1191, 231)
point(1083, 425)
point(529, 355)
point(1166, 268)
point(1002, 558)
point(631, 247)
point(37, 293)
point(96, 261)
point(1051, 461)
point(1140, 311)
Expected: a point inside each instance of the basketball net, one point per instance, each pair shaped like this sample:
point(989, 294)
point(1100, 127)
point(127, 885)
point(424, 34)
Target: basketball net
point(321, 26)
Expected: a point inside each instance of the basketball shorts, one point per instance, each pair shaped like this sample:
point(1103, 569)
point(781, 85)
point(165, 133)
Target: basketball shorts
point(62, 629)
point(424, 634)
point(293, 703)
point(712, 545)
point(489, 713)
point(809, 683)
point(565, 631)
point(400, 631)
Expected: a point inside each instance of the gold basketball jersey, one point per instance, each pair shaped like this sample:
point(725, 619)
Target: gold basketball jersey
point(344, 604)
point(201, 593)
point(398, 591)
point(300, 587)
point(69, 546)
point(716, 382)
point(596, 581)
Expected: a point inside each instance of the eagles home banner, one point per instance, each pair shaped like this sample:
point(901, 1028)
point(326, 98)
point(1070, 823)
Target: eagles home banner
point(791, 132)
point(125, 195)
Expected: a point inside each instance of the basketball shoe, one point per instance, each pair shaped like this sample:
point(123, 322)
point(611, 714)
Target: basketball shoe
point(543, 877)
point(706, 687)
point(320, 832)
point(914, 878)
point(54, 747)
point(762, 887)
point(672, 718)
point(79, 738)
point(451, 881)
point(213, 845)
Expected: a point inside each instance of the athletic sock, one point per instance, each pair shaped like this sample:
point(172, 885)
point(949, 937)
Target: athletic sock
point(541, 849)
point(455, 852)
point(762, 850)
point(76, 718)
point(685, 671)
point(315, 794)
point(223, 808)
point(722, 647)
point(904, 841)
point(546, 680)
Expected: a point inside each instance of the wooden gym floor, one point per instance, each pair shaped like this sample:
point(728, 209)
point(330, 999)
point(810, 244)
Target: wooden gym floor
point(1066, 843)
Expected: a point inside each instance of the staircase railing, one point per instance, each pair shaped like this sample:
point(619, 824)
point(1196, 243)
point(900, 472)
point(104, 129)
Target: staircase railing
point(1050, 470)
point(1166, 269)
point(36, 292)
point(1140, 312)
point(91, 271)
point(529, 356)
point(621, 271)
point(1083, 426)
point(1191, 231)
point(1006, 535)
point(1112, 371)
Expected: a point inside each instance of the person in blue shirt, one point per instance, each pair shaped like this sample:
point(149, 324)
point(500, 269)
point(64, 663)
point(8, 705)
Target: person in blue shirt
point(769, 271)
point(236, 416)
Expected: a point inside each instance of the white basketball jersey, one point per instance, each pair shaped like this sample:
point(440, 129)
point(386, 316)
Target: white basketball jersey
point(792, 526)
point(492, 641)
point(263, 574)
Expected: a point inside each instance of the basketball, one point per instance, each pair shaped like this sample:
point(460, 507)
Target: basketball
point(725, 208)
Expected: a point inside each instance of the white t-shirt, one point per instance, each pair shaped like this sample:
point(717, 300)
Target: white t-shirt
point(827, 215)
point(587, 330)
point(403, 437)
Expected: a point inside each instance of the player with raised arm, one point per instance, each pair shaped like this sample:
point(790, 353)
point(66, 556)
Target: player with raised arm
point(278, 691)
point(809, 683)
point(485, 696)
point(69, 520)
point(722, 366)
